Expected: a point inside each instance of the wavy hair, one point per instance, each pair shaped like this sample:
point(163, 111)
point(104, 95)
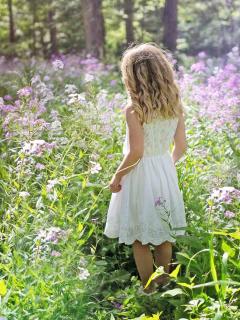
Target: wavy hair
point(150, 82)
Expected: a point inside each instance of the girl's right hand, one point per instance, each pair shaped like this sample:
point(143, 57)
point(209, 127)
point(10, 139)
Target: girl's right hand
point(114, 184)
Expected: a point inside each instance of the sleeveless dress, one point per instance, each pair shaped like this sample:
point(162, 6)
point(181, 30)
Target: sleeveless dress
point(149, 207)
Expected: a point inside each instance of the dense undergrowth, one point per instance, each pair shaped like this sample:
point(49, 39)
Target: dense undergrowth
point(62, 131)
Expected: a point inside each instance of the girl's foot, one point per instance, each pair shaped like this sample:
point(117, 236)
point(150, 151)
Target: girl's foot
point(162, 280)
point(151, 289)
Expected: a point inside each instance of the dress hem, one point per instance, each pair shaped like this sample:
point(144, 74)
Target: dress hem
point(151, 241)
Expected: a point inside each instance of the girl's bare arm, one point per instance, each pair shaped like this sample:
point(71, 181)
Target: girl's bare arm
point(136, 143)
point(180, 143)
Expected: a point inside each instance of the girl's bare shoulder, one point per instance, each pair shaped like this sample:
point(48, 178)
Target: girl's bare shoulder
point(129, 110)
point(131, 115)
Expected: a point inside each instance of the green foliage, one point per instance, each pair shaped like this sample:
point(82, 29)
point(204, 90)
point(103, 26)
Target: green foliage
point(85, 275)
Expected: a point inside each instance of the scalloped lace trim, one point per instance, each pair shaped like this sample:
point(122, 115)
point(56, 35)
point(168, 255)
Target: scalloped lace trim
point(146, 235)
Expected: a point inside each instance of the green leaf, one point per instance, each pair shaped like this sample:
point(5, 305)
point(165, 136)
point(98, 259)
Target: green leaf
point(119, 276)
point(212, 265)
point(3, 288)
point(221, 233)
point(235, 235)
point(173, 292)
point(228, 249)
point(80, 227)
point(84, 183)
point(101, 263)
point(184, 254)
point(214, 283)
point(175, 272)
point(187, 285)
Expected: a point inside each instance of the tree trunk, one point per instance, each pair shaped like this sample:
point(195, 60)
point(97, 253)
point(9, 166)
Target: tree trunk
point(43, 43)
point(93, 27)
point(34, 20)
point(11, 22)
point(170, 24)
point(128, 10)
point(52, 31)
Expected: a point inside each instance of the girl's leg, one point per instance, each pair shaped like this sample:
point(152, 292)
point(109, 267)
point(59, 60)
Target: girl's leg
point(162, 257)
point(144, 262)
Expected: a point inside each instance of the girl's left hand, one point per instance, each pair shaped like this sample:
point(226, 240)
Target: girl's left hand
point(114, 184)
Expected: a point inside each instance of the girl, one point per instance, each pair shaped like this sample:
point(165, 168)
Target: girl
point(146, 205)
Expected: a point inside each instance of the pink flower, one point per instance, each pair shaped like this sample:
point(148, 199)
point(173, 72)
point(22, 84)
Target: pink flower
point(55, 253)
point(57, 64)
point(40, 166)
point(52, 234)
point(7, 97)
point(117, 305)
point(24, 194)
point(37, 147)
point(7, 108)
point(225, 194)
point(51, 184)
point(159, 202)
point(198, 67)
point(24, 92)
point(202, 55)
point(83, 273)
point(229, 214)
point(113, 82)
point(95, 168)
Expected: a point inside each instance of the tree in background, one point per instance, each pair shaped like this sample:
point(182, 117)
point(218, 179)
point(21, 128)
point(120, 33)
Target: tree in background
point(42, 28)
point(11, 22)
point(94, 27)
point(52, 28)
point(128, 11)
point(170, 24)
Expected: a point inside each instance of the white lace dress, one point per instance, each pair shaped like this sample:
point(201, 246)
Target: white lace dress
point(150, 206)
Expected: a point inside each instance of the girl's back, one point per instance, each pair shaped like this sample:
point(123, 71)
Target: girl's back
point(158, 136)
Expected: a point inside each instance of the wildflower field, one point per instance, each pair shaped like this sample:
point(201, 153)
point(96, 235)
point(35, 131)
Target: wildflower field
point(62, 132)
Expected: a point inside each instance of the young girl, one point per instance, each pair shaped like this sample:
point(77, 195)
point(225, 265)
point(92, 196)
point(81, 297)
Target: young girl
point(146, 205)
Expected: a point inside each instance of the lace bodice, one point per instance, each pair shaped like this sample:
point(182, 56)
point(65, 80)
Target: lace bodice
point(158, 136)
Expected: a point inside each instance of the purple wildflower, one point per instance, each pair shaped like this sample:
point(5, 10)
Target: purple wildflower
point(94, 220)
point(7, 97)
point(39, 166)
point(58, 64)
point(159, 202)
point(229, 214)
point(83, 273)
point(198, 67)
point(51, 184)
point(113, 82)
point(95, 168)
point(24, 194)
point(7, 108)
point(17, 103)
point(215, 90)
point(225, 194)
point(202, 55)
point(55, 253)
point(24, 92)
point(37, 147)
point(52, 234)
point(117, 305)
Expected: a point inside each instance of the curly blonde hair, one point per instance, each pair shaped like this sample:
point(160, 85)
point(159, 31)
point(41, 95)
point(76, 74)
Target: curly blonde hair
point(150, 82)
